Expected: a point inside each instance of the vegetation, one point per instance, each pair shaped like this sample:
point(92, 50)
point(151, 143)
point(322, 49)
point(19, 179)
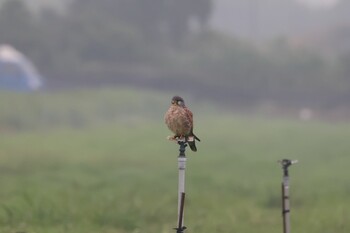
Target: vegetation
point(80, 168)
point(152, 43)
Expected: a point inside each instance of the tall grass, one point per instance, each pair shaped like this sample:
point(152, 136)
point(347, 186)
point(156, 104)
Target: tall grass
point(76, 108)
point(119, 174)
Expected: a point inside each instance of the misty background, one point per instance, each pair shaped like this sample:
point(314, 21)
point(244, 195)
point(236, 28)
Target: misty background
point(290, 53)
point(87, 150)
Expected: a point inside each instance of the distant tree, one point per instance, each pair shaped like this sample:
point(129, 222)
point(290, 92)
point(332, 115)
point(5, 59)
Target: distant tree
point(180, 13)
point(155, 19)
point(202, 10)
point(19, 28)
point(17, 25)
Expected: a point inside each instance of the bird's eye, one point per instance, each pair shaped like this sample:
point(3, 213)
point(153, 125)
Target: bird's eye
point(179, 102)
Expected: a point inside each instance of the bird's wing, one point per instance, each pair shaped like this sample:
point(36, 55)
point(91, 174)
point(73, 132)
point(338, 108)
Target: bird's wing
point(189, 116)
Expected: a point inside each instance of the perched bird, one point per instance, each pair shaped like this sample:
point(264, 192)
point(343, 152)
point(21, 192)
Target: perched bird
point(179, 120)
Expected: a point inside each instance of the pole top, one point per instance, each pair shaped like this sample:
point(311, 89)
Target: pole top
point(287, 162)
point(182, 141)
point(285, 165)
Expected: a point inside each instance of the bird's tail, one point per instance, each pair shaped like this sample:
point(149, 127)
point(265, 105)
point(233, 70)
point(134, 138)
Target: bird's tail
point(192, 144)
point(196, 138)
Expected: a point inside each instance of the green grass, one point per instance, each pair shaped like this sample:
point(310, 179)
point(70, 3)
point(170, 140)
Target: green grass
point(113, 171)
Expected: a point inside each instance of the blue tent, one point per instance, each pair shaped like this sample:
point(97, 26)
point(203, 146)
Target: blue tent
point(17, 72)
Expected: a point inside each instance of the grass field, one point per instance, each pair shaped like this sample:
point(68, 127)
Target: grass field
point(98, 161)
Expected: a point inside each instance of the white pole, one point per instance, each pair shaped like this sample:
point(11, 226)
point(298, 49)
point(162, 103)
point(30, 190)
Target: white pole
point(181, 189)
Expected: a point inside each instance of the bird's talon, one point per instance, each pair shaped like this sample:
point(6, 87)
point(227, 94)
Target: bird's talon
point(172, 138)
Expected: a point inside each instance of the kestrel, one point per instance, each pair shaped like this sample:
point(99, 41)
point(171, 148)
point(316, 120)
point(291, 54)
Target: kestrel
point(179, 120)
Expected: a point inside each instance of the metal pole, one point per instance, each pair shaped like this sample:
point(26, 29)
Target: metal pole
point(285, 205)
point(181, 186)
point(180, 227)
point(285, 194)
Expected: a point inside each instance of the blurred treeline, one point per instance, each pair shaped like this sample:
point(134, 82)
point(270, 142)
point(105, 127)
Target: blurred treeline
point(169, 45)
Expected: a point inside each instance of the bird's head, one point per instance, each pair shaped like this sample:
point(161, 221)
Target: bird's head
point(178, 101)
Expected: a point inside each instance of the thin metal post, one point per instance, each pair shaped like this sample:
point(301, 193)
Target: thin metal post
point(285, 194)
point(180, 226)
point(285, 205)
point(181, 186)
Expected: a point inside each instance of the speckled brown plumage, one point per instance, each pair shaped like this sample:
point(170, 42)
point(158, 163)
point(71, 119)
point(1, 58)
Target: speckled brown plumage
point(179, 120)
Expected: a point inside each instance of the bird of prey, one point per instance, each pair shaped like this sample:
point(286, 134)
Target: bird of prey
point(179, 120)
